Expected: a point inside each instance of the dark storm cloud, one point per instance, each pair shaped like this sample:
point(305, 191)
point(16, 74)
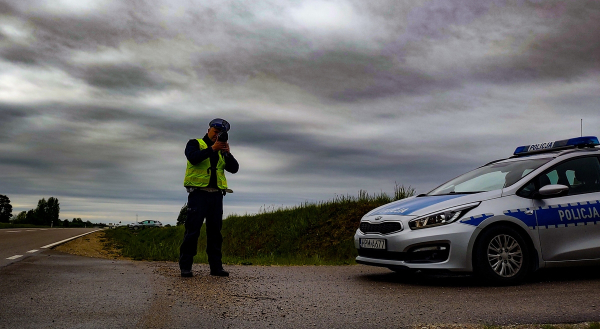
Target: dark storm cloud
point(566, 48)
point(89, 167)
point(120, 77)
point(337, 75)
point(338, 70)
point(344, 74)
point(314, 156)
point(9, 114)
point(21, 55)
point(6, 8)
point(151, 126)
point(312, 153)
point(50, 154)
point(56, 37)
point(569, 49)
point(81, 31)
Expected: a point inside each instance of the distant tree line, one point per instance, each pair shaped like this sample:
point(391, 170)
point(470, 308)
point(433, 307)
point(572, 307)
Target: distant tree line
point(45, 214)
point(5, 209)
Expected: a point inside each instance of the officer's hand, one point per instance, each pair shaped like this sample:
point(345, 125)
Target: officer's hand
point(226, 148)
point(220, 146)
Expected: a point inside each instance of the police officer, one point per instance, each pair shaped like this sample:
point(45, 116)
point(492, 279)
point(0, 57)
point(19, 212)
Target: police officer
point(207, 160)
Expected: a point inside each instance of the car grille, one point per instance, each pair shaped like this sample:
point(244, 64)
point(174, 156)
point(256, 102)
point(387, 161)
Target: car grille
point(381, 228)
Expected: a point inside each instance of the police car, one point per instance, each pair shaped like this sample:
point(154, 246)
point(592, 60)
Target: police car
point(538, 208)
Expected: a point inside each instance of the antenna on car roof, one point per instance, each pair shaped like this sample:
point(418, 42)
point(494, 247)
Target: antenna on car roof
point(581, 127)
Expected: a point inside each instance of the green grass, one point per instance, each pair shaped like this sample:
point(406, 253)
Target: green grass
point(308, 234)
point(548, 326)
point(491, 326)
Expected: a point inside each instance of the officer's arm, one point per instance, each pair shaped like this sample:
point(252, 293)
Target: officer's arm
point(194, 154)
point(231, 164)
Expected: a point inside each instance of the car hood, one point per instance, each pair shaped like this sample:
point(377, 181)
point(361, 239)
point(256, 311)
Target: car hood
point(417, 206)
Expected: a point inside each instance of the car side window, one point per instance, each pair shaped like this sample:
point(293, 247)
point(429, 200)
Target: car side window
point(581, 175)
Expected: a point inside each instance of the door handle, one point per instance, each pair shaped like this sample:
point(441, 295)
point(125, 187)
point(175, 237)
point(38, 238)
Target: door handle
point(529, 212)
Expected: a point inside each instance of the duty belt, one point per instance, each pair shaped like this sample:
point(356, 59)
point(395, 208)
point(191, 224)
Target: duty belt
point(191, 189)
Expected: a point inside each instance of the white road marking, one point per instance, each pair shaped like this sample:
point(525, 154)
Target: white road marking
point(66, 240)
point(32, 251)
point(15, 257)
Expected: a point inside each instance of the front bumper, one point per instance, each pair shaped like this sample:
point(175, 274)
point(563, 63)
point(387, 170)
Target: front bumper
point(438, 248)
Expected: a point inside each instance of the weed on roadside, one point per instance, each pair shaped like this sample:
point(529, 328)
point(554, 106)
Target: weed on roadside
point(491, 326)
point(548, 326)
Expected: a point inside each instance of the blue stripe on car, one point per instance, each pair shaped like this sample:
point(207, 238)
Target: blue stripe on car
point(520, 214)
point(476, 220)
point(407, 207)
point(564, 215)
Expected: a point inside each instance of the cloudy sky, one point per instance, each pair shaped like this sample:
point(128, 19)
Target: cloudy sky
point(98, 98)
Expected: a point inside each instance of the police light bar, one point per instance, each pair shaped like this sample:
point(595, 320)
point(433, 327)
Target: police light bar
point(585, 141)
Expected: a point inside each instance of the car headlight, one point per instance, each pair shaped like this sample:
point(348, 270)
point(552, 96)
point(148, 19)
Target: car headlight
point(443, 217)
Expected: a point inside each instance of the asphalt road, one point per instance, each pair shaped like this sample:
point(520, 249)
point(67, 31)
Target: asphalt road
point(19, 243)
point(51, 289)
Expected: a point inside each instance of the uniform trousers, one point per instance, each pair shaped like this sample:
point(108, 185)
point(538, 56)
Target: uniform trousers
point(201, 205)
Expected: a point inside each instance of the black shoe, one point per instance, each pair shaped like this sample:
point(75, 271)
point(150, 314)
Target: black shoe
point(187, 273)
point(220, 272)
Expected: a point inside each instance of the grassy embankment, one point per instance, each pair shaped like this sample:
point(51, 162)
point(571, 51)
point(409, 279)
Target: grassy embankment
point(308, 234)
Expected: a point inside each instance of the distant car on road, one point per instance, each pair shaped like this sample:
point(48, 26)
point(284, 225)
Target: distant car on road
point(538, 208)
point(145, 223)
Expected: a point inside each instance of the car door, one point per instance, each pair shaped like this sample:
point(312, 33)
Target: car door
point(569, 224)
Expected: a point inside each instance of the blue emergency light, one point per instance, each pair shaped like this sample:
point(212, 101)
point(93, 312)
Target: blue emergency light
point(578, 142)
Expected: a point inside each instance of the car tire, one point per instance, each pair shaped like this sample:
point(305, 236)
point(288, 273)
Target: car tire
point(502, 256)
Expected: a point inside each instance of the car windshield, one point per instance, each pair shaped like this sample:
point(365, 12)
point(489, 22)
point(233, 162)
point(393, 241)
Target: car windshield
point(490, 177)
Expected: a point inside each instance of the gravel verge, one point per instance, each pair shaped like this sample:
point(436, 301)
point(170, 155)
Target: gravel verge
point(355, 296)
point(92, 245)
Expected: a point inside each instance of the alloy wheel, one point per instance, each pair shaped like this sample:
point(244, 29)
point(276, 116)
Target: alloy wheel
point(505, 255)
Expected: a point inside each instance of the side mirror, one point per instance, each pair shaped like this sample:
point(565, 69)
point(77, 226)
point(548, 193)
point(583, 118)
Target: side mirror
point(552, 190)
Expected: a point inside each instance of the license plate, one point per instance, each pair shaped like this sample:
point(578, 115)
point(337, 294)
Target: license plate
point(372, 243)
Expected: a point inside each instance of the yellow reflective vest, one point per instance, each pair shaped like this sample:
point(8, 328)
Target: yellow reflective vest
point(199, 175)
